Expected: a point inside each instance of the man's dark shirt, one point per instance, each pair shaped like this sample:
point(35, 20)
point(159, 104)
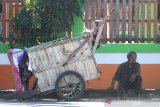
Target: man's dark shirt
point(124, 72)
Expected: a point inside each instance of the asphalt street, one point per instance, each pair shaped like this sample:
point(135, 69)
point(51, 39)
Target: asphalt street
point(83, 102)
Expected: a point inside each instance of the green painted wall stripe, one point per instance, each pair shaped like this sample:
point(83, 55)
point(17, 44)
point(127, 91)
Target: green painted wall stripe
point(78, 26)
point(114, 48)
point(3, 48)
point(78, 23)
point(123, 48)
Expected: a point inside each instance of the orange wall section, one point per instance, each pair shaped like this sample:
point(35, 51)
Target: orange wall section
point(6, 77)
point(149, 72)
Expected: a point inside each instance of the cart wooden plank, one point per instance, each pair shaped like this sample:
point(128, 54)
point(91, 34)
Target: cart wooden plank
point(79, 64)
point(69, 48)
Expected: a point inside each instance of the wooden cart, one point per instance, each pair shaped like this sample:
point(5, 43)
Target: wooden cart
point(51, 66)
point(65, 65)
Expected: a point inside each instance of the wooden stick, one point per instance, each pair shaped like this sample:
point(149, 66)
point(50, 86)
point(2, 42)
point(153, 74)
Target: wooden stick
point(97, 38)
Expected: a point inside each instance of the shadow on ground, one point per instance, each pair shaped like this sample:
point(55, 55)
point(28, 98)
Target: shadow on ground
point(146, 94)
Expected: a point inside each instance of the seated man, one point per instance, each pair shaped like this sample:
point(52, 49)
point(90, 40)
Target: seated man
point(128, 76)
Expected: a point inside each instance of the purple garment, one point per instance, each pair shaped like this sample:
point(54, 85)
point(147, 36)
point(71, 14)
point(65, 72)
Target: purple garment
point(21, 59)
point(15, 57)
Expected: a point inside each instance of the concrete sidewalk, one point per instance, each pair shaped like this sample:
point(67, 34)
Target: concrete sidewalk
point(94, 100)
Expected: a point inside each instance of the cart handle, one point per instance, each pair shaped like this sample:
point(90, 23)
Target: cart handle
point(100, 29)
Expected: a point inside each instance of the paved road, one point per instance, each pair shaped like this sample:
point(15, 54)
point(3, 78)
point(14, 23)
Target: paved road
point(95, 102)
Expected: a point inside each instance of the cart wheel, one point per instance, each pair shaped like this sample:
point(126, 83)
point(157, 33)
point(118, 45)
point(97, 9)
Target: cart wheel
point(70, 85)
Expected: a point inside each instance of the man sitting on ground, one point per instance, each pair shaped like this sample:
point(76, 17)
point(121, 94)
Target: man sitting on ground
point(128, 77)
